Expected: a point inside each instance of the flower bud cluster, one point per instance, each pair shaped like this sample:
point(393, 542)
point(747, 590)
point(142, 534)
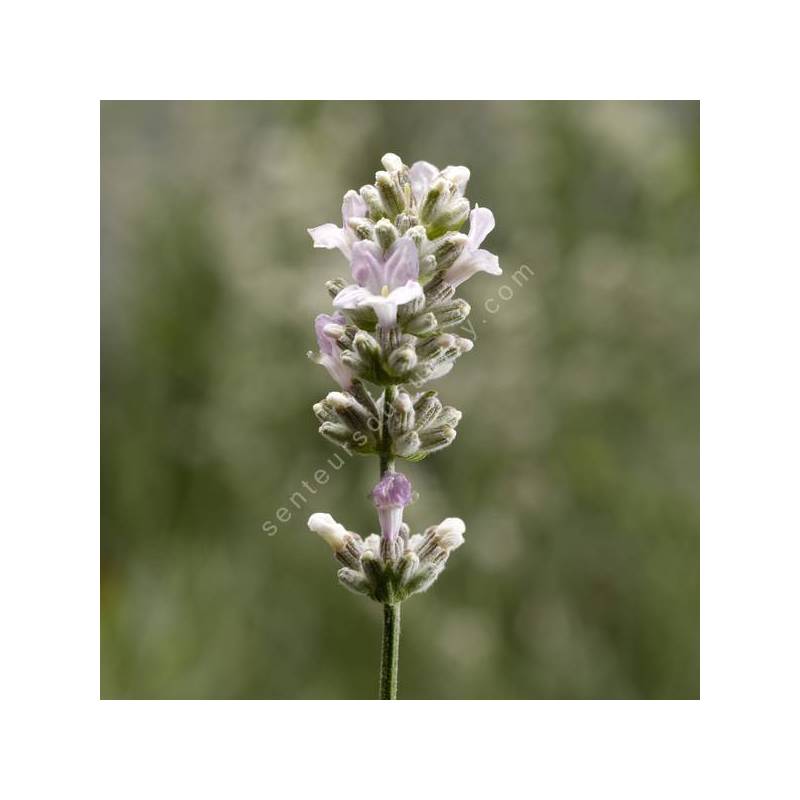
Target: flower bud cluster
point(417, 349)
point(401, 237)
point(409, 426)
point(389, 570)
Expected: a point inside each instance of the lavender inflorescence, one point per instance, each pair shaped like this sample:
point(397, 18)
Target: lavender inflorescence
point(393, 326)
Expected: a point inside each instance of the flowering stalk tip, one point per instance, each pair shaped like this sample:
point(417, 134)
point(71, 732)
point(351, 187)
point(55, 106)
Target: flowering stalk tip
point(392, 326)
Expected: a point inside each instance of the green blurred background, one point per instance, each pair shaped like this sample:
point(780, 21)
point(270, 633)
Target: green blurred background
point(576, 463)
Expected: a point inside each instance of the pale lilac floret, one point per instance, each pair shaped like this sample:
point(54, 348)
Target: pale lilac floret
point(391, 495)
point(330, 356)
point(422, 175)
point(472, 258)
point(382, 282)
point(329, 236)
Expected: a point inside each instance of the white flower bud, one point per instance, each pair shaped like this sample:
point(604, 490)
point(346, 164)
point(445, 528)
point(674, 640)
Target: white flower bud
point(427, 266)
point(456, 214)
point(338, 434)
point(330, 530)
point(445, 341)
point(406, 222)
point(432, 439)
point(369, 194)
point(449, 416)
point(407, 444)
point(408, 566)
point(402, 360)
point(338, 400)
point(402, 418)
point(373, 544)
point(417, 235)
point(458, 175)
point(392, 163)
point(421, 324)
point(438, 292)
point(437, 190)
point(354, 580)
point(427, 408)
point(450, 533)
point(362, 227)
point(367, 347)
point(453, 313)
point(352, 414)
point(390, 194)
point(446, 249)
point(372, 567)
point(324, 413)
point(385, 233)
point(335, 286)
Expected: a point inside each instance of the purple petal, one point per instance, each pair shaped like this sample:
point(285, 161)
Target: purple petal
point(390, 519)
point(421, 174)
point(405, 294)
point(459, 176)
point(481, 224)
point(487, 262)
point(337, 370)
point(326, 344)
point(351, 297)
point(384, 307)
point(367, 266)
point(392, 491)
point(352, 206)
point(467, 264)
point(402, 265)
point(329, 236)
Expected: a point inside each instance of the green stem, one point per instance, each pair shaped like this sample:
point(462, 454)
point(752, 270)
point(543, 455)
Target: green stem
point(387, 465)
point(390, 651)
point(387, 460)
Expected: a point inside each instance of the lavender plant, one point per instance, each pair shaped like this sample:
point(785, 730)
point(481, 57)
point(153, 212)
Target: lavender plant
point(390, 329)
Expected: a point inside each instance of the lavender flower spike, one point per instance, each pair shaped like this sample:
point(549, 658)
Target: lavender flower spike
point(391, 495)
point(401, 237)
point(382, 283)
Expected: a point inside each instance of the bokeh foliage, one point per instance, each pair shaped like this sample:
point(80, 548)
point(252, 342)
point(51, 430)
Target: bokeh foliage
point(576, 464)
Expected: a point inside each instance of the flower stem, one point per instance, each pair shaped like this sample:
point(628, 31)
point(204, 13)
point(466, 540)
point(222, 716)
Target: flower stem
point(390, 651)
point(387, 464)
point(387, 460)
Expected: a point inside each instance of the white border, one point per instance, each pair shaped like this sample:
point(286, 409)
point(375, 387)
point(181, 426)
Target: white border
point(59, 59)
